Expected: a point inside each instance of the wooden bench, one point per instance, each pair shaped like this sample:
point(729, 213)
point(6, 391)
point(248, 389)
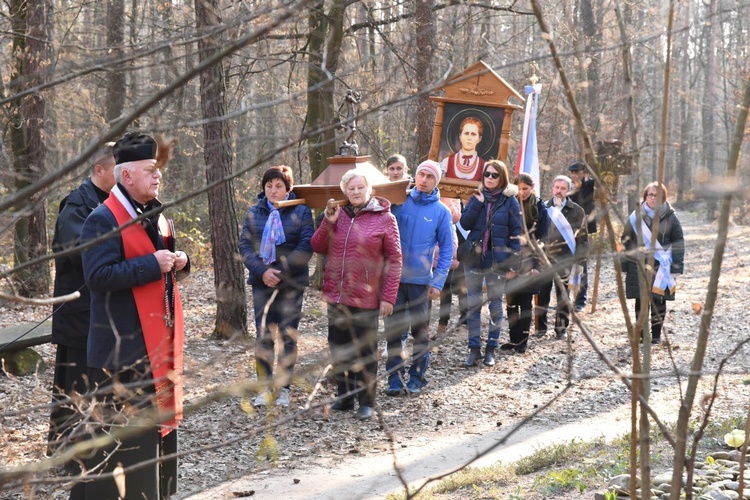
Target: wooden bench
point(15, 342)
point(12, 338)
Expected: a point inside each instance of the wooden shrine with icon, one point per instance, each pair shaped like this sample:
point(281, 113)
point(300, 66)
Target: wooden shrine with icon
point(472, 125)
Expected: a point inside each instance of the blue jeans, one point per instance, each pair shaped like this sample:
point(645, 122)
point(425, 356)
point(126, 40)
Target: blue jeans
point(495, 290)
point(411, 310)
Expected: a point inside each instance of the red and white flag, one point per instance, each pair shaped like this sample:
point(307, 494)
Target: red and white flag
point(528, 156)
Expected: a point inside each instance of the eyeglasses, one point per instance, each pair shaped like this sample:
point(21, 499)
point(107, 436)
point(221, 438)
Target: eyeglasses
point(494, 175)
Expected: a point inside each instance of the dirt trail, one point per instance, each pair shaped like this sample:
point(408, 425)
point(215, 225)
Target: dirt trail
point(465, 411)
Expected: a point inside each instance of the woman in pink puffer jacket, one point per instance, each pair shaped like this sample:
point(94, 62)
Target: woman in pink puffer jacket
point(360, 283)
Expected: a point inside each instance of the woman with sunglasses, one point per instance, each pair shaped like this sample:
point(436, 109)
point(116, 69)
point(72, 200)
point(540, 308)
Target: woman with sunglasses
point(493, 217)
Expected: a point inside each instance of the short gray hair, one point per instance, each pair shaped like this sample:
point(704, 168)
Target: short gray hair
point(351, 174)
point(564, 178)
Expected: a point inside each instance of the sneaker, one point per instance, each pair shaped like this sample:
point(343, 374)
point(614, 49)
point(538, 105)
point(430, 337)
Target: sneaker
point(508, 346)
point(395, 388)
point(283, 399)
point(579, 308)
point(655, 340)
point(263, 399)
point(561, 335)
point(540, 334)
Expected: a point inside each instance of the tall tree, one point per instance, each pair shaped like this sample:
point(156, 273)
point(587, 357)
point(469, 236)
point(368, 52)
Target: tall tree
point(709, 98)
point(324, 47)
point(424, 26)
point(231, 305)
point(115, 37)
point(30, 60)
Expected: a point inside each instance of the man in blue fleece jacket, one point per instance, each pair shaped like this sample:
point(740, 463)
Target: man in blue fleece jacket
point(423, 224)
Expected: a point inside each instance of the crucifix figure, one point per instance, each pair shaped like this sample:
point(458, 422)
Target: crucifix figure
point(347, 114)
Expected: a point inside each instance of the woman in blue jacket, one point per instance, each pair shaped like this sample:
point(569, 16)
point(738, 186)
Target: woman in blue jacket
point(275, 247)
point(493, 217)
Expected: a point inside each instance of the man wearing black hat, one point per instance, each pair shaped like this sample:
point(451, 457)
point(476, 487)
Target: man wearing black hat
point(583, 195)
point(136, 332)
point(70, 320)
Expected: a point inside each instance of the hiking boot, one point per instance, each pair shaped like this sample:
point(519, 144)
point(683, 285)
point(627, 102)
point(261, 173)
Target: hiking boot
point(474, 354)
point(343, 404)
point(507, 346)
point(283, 399)
point(364, 413)
point(655, 340)
point(489, 356)
point(561, 335)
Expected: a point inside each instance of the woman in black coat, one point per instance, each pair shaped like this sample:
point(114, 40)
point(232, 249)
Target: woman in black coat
point(525, 286)
point(669, 254)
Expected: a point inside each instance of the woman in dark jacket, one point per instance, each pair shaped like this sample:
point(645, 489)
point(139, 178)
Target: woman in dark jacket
point(275, 246)
point(519, 302)
point(362, 273)
point(493, 217)
point(669, 254)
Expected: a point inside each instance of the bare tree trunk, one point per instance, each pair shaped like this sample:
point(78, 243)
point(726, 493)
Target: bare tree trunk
point(30, 58)
point(424, 28)
point(231, 305)
point(709, 102)
point(326, 35)
point(684, 170)
point(115, 38)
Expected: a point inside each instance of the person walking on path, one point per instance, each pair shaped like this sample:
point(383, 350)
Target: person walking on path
point(493, 217)
point(136, 333)
point(361, 280)
point(423, 224)
point(521, 294)
point(668, 251)
point(566, 246)
point(275, 247)
point(583, 195)
point(70, 320)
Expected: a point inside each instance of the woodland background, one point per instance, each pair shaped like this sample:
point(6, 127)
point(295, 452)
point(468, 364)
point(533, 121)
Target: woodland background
point(246, 84)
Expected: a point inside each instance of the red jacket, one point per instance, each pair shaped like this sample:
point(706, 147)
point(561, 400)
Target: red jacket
point(363, 264)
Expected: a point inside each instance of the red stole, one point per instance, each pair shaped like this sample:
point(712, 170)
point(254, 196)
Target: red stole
point(163, 344)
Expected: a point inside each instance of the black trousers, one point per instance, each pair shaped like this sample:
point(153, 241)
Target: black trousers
point(562, 311)
point(70, 379)
point(353, 341)
point(157, 480)
point(658, 312)
point(520, 312)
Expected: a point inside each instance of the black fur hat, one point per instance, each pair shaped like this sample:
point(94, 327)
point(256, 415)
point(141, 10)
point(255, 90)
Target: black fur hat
point(133, 147)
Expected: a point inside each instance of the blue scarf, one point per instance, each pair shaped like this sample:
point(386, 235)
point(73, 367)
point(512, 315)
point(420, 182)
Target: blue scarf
point(273, 234)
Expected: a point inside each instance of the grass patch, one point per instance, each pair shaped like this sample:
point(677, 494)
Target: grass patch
point(561, 468)
point(472, 482)
point(557, 454)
